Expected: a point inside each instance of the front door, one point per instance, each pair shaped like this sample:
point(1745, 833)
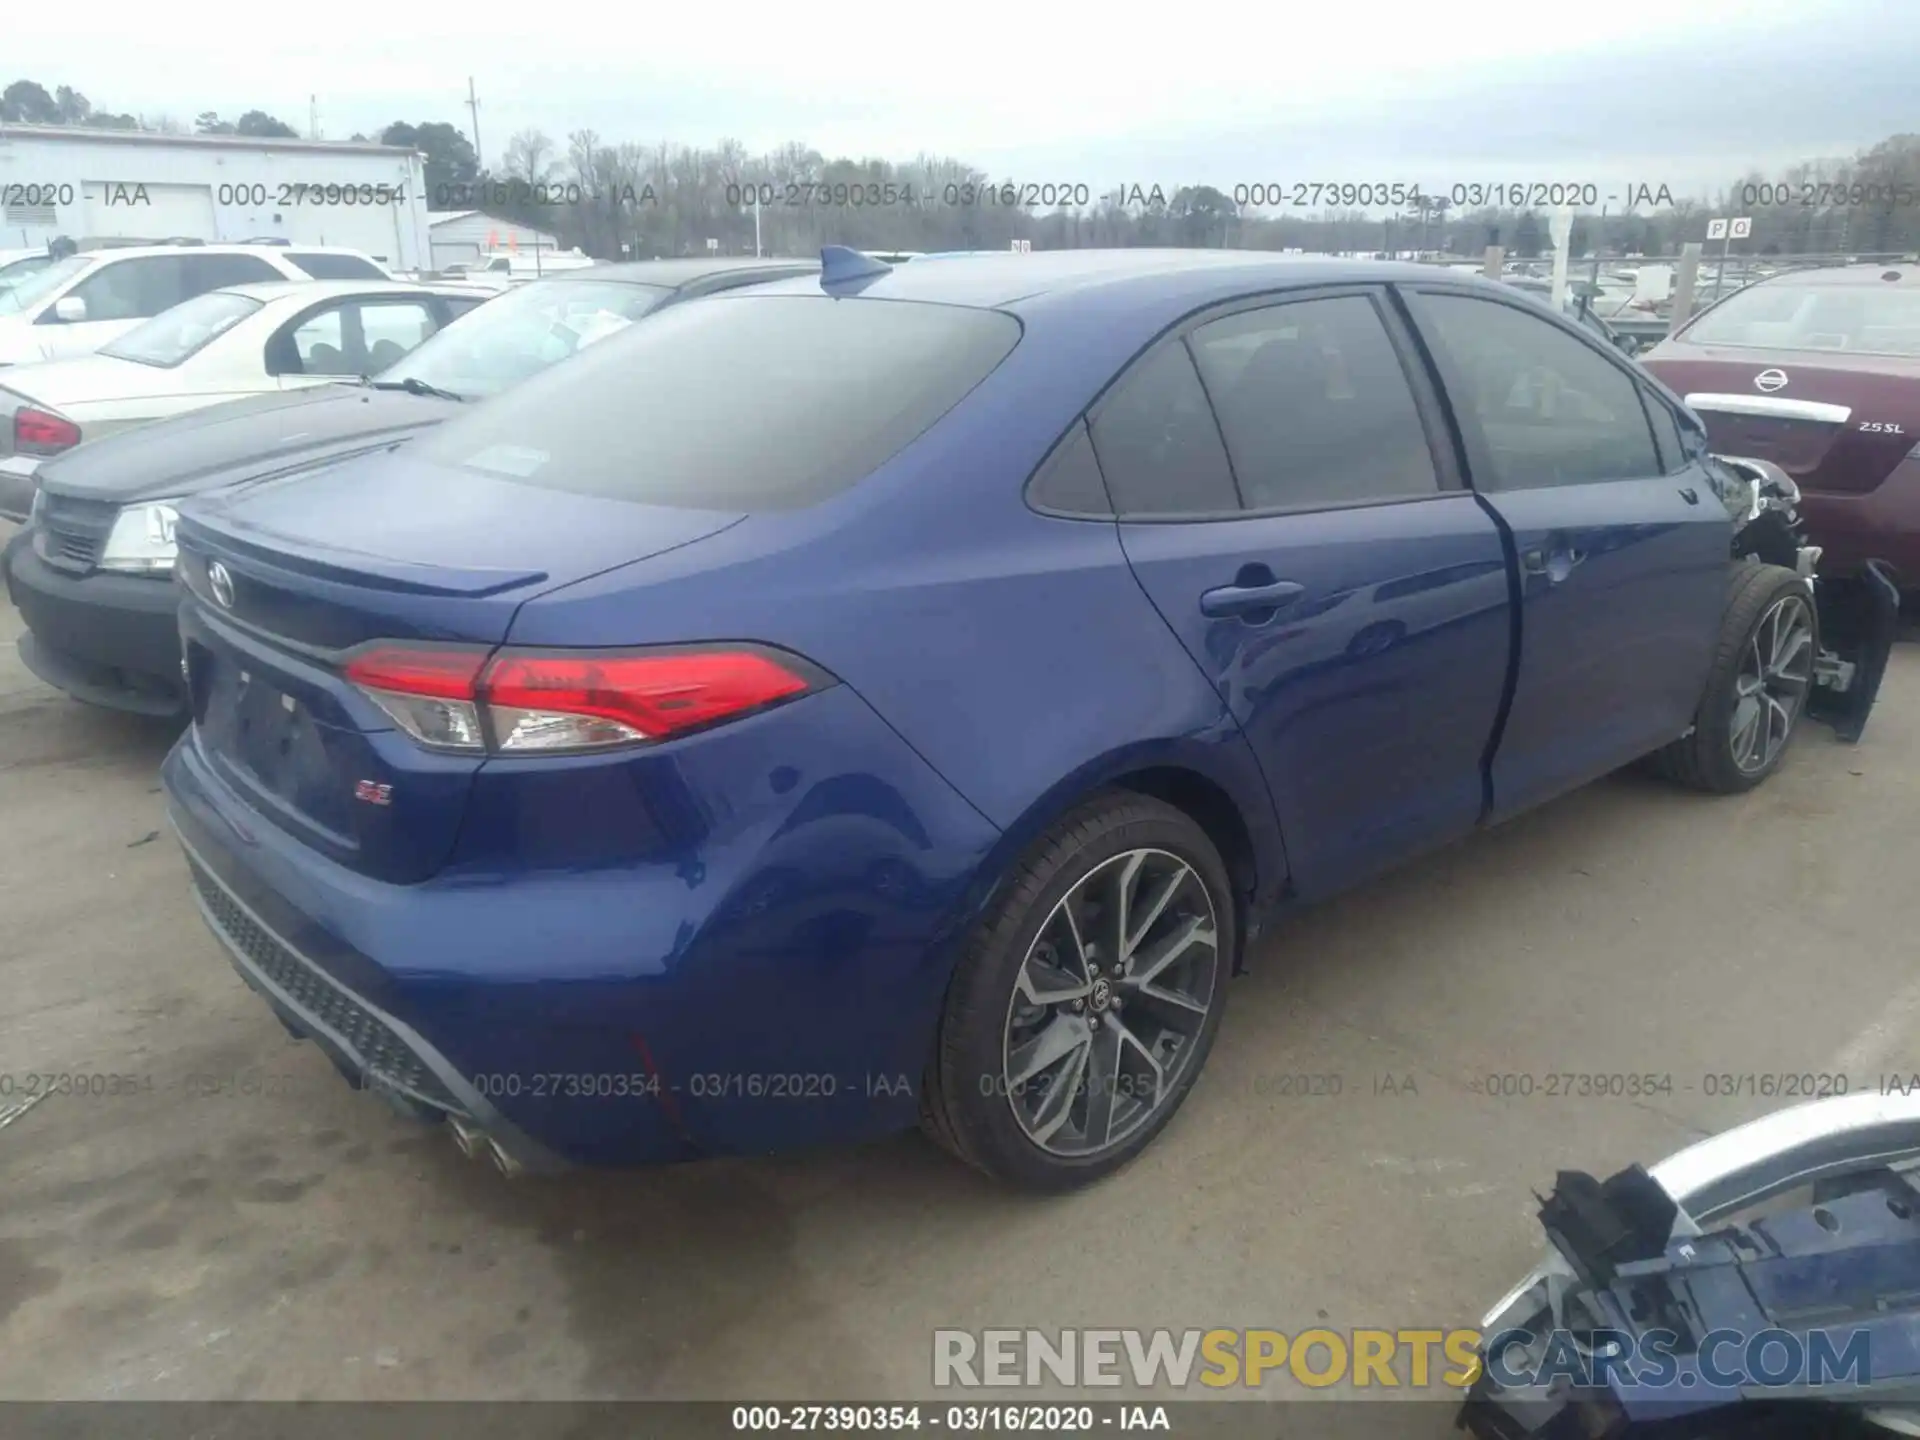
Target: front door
point(1311, 551)
point(1623, 548)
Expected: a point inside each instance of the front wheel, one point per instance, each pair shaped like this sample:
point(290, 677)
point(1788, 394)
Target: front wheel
point(1758, 687)
point(1088, 997)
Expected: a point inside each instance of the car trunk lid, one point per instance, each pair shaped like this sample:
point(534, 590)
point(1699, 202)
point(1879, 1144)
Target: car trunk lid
point(284, 579)
point(1840, 425)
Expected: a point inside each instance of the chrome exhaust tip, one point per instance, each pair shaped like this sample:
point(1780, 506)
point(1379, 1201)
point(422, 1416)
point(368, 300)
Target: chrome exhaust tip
point(502, 1161)
point(469, 1137)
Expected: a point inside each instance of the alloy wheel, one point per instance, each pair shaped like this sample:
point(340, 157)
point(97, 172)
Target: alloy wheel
point(1109, 1003)
point(1771, 688)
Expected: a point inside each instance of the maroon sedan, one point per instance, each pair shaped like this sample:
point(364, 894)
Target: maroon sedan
point(1819, 372)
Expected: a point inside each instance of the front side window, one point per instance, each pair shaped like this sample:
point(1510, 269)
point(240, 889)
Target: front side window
point(1549, 409)
point(1315, 405)
point(391, 330)
point(133, 289)
point(30, 289)
point(358, 337)
point(173, 336)
point(1158, 445)
point(833, 389)
point(321, 343)
point(1666, 434)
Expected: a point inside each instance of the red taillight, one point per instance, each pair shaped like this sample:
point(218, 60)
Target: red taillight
point(562, 702)
point(440, 674)
point(429, 692)
point(36, 432)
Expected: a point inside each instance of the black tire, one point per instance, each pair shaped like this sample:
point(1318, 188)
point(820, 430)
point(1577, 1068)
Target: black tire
point(1704, 759)
point(965, 1102)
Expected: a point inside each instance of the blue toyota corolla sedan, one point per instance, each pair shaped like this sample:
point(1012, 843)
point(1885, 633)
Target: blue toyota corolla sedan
point(899, 696)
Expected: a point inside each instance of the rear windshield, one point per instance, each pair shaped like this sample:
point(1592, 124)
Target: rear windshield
point(1785, 315)
point(748, 402)
point(323, 266)
point(173, 336)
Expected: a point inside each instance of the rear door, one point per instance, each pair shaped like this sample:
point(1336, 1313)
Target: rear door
point(1623, 548)
point(1315, 554)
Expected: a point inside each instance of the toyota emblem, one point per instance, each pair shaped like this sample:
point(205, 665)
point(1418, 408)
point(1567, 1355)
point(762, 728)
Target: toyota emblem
point(222, 583)
point(1770, 380)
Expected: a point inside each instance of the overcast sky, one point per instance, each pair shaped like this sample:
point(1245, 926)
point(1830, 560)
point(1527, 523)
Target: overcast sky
point(1035, 90)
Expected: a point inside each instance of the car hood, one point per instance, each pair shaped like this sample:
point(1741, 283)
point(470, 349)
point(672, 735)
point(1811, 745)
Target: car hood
point(244, 440)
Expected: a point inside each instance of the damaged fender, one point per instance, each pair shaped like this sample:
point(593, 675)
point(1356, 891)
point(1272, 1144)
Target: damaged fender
point(1858, 616)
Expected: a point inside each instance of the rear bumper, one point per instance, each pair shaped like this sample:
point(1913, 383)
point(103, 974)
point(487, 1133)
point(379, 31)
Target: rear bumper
point(109, 640)
point(778, 988)
point(1882, 524)
point(372, 1049)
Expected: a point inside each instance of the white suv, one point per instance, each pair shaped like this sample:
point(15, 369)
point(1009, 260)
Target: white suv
point(74, 306)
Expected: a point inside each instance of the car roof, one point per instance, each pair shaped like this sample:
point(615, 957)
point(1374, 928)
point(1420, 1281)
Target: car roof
point(267, 291)
point(996, 280)
point(1868, 274)
point(674, 274)
point(122, 252)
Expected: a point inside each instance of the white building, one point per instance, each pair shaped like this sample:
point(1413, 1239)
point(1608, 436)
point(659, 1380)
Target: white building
point(459, 237)
point(101, 184)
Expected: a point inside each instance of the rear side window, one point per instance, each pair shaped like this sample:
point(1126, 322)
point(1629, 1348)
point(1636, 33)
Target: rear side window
point(322, 266)
point(741, 402)
point(216, 272)
point(1068, 481)
point(1158, 445)
point(1549, 409)
point(1314, 405)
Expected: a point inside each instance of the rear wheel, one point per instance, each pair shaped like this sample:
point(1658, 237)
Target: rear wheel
point(1088, 997)
point(1757, 690)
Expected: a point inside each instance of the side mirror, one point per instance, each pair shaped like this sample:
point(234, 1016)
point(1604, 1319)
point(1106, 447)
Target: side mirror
point(283, 356)
point(70, 309)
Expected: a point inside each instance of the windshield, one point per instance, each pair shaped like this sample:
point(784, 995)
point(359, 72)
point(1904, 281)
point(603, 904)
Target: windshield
point(520, 334)
point(12, 272)
point(38, 284)
point(173, 335)
point(1808, 316)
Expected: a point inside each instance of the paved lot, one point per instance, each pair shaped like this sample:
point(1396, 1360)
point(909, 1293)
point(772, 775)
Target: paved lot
point(303, 1242)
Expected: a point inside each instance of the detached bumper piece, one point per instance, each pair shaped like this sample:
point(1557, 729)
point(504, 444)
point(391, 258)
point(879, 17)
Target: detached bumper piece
point(1765, 1282)
point(1858, 615)
point(1858, 619)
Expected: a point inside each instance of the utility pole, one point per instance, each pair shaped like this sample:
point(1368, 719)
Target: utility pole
point(313, 117)
point(473, 108)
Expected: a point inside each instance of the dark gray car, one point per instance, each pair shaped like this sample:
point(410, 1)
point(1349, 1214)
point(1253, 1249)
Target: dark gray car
point(91, 572)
